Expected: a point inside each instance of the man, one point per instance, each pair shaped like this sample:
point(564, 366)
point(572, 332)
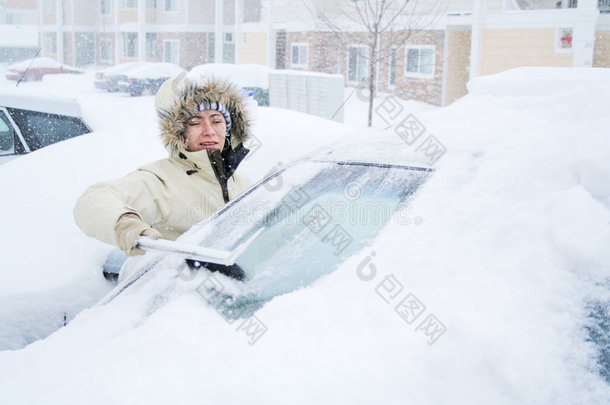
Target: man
point(203, 126)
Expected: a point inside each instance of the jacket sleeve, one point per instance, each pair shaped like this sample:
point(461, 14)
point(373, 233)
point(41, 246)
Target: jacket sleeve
point(99, 208)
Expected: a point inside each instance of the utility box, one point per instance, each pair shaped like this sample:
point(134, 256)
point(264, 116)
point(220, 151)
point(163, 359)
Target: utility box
point(314, 93)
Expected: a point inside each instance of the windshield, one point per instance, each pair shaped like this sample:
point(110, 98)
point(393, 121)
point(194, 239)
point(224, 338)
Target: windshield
point(309, 217)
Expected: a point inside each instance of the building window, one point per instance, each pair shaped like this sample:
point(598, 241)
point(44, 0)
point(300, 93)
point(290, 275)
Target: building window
point(49, 43)
point(130, 44)
point(357, 63)
point(392, 68)
point(151, 43)
point(171, 51)
point(105, 7)
point(299, 55)
point(419, 61)
point(13, 18)
point(48, 6)
point(228, 37)
point(129, 3)
point(106, 50)
point(252, 11)
point(211, 48)
point(171, 5)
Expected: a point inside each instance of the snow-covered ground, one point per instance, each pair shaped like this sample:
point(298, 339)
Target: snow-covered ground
point(511, 256)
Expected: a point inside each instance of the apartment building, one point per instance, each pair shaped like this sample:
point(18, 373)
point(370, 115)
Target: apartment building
point(106, 32)
point(19, 37)
point(427, 56)
point(465, 38)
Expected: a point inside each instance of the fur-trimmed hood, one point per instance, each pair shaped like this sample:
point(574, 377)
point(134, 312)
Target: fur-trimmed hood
point(178, 100)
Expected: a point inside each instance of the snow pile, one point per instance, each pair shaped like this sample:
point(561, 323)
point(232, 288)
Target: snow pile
point(482, 297)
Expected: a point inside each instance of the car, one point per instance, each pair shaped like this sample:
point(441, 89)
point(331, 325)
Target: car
point(37, 68)
point(148, 78)
point(31, 121)
point(252, 78)
point(108, 79)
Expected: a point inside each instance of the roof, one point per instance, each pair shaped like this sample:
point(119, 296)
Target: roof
point(26, 100)
point(38, 62)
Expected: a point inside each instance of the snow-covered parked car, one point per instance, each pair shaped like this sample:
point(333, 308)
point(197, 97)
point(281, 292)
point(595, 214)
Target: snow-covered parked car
point(490, 287)
point(251, 77)
point(30, 121)
point(108, 79)
point(36, 69)
point(148, 78)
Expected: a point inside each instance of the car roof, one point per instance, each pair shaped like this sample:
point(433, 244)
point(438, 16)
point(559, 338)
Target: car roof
point(245, 75)
point(156, 70)
point(124, 67)
point(373, 146)
point(47, 103)
point(39, 62)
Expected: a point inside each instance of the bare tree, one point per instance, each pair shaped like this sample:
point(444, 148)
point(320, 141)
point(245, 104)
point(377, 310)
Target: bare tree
point(396, 20)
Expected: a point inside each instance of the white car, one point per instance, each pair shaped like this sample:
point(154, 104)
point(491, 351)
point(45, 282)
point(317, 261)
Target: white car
point(252, 78)
point(31, 121)
point(108, 79)
point(148, 78)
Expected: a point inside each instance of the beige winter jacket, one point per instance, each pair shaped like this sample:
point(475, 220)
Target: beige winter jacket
point(172, 194)
point(161, 193)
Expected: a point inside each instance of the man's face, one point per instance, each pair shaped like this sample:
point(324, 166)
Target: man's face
point(206, 130)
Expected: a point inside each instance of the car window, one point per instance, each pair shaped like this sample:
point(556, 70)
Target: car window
point(43, 129)
point(309, 219)
point(7, 135)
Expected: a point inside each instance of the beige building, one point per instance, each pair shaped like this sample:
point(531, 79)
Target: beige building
point(447, 47)
point(437, 51)
point(107, 32)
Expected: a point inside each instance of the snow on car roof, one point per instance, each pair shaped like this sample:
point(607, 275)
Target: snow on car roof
point(245, 75)
point(39, 63)
point(293, 72)
point(48, 103)
point(374, 146)
point(124, 67)
point(156, 70)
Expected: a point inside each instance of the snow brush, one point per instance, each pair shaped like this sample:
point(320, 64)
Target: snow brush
point(197, 256)
point(196, 252)
point(193, 252)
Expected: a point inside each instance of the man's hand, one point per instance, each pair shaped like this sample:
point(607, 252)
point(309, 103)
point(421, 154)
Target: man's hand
point(128, 229)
